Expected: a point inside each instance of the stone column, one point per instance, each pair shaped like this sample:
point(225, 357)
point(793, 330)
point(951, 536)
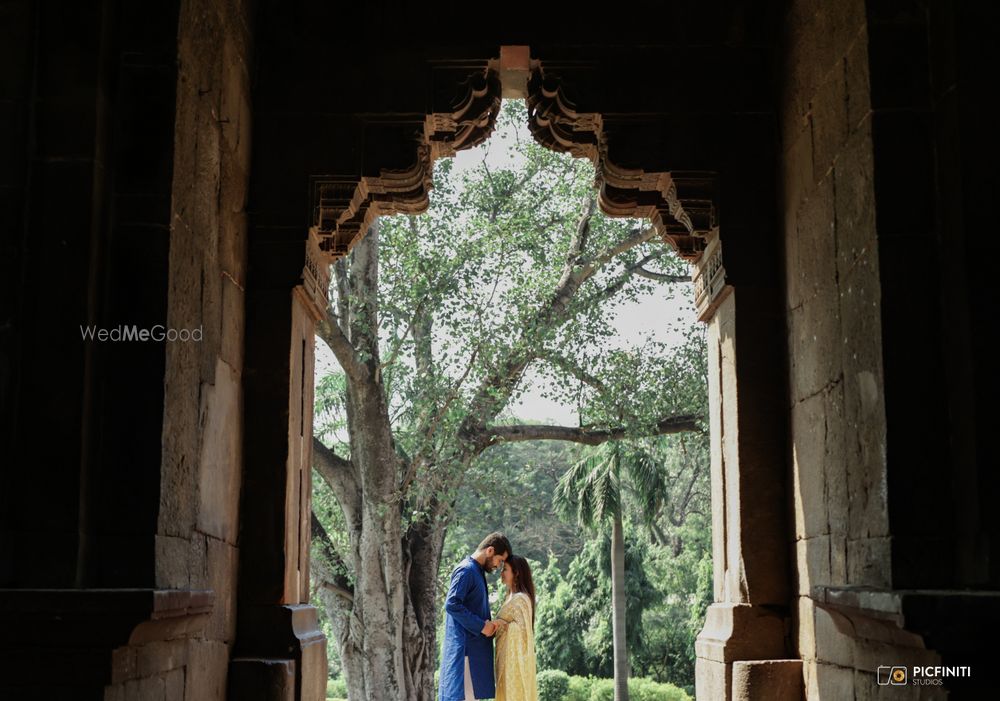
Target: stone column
point(749, 524)
point(280, 652)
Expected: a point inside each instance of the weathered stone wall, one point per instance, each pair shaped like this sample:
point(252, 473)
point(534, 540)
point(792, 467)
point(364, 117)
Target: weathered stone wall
point(198, 523)
point(837, 412)
point(837, 399)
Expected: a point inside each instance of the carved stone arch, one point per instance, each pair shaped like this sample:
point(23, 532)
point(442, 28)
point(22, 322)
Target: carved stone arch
point(680, 204)
point(344, 208)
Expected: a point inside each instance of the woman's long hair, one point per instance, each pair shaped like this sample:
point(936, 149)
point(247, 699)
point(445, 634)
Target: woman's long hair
point(522, 581)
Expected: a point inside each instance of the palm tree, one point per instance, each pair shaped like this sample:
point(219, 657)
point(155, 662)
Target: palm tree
point(592, 488)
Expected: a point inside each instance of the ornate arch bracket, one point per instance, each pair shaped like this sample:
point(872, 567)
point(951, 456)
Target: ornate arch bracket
point(680, 204)
point(345, 207)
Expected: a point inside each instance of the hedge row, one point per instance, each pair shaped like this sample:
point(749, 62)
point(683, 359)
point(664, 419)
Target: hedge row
point(556, 685)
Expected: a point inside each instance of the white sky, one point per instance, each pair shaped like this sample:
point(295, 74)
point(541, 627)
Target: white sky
point(647, 317)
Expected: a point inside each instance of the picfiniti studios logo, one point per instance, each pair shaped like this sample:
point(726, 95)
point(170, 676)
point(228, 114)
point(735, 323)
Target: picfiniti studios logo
point(891, 675)
point(897, 675)
point(134, 333)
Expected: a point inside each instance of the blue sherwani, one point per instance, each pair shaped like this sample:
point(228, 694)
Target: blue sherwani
point(467, 610)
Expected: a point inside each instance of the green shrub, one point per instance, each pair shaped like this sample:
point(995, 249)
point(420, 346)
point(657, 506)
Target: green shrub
point(647, 690)
point(337, 688)
point(579, 689)
point(602, 690)
point(594, 689)
point(552, 685)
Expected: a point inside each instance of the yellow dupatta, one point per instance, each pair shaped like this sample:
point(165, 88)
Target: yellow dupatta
point(515, 652)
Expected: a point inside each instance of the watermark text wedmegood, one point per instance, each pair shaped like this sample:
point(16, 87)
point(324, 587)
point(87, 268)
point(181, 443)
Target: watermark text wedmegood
point(135, 333)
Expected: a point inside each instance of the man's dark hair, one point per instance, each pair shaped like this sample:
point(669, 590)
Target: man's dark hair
point(499, 543)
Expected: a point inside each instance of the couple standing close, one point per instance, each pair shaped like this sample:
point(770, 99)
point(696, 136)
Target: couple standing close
point(467, 661)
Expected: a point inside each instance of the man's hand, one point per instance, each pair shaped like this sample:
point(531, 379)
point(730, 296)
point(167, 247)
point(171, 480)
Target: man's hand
point(489, 629)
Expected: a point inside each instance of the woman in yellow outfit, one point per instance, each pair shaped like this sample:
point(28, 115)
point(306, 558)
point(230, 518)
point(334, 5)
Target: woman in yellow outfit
point(515, 636)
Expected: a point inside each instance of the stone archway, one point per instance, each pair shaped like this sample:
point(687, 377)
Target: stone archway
point(752, 585)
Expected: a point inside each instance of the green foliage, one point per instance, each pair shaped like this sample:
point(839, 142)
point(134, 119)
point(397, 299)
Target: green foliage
point(336, 688)
point(680, 563)
point(685, 579)
point(464, 320)
point(581, 688)
point(574, 627)
point(603, 690)
point(509, 489)
point(553, 685)
point(329, 406)
point(558, 639)
point(594, 486)
point(668, 574)
point(641, 689)
point(466, 292)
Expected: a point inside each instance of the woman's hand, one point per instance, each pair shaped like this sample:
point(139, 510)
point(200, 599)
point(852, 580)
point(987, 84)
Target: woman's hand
point(501, 626)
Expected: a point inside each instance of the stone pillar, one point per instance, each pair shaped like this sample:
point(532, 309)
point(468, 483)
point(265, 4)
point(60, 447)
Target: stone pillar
point(277, 628)
point(749, 523)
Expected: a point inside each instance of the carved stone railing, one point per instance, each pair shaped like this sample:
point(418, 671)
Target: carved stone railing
point(315, 286)
point(709, 279)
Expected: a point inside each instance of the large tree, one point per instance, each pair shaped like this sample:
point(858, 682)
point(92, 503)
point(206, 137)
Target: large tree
point(438, 323)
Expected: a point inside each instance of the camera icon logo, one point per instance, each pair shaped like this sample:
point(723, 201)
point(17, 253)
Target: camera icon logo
point(895, 676)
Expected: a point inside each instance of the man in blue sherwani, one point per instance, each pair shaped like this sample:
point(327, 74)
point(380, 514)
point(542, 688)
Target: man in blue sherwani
point(467, 652)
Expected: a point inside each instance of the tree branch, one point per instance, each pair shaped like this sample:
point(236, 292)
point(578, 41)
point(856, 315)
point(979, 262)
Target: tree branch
point(661, 277)
point(331, 567)
point(342, 593)
point(419, 324)
point(495, 390)
point(343, 284)
point(341, 476)
point(572, 369)
point(364, 292)
point(678, 516)
point(616, 286)
point(333, 336)
point(636, 238)
point(493, 435)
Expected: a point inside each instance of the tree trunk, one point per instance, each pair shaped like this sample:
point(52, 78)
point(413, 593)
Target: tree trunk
point(618, 608)
point(387, 647)
point(424, 541)
point(386, 631)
